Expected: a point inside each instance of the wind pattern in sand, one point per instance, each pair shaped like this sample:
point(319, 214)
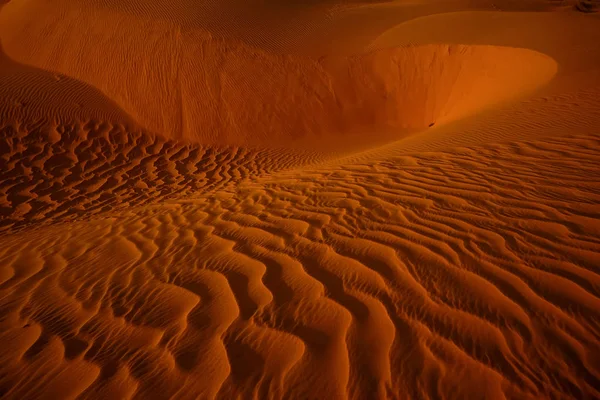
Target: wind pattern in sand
point(286, 204)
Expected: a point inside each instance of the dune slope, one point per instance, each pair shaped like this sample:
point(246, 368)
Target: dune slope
point(199, 207)
point(478, 265)
point(192, 85)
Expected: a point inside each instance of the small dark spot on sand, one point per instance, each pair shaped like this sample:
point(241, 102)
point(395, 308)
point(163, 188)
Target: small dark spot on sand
point(431, 124)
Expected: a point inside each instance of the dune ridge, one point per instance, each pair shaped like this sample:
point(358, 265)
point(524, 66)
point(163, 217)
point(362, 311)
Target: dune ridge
point(279, 200)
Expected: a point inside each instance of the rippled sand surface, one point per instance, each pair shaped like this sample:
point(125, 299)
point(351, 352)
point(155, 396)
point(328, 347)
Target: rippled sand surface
point(323, 200)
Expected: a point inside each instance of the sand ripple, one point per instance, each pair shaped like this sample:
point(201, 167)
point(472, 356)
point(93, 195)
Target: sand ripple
point(402, 278)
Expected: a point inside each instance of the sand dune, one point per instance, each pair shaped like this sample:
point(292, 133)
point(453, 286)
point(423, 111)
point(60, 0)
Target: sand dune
point(30, 94)
point(216, 92)
point(380, 279)
point(287, 200)
point(65, 171)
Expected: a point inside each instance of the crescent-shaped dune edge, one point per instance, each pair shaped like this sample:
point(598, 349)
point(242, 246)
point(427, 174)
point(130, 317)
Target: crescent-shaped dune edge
point(299, 200)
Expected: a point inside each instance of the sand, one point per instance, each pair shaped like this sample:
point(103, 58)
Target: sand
point(299, 200)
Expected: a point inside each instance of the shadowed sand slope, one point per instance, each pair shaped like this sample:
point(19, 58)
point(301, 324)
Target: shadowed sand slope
point(31, 94)
point(189, 85)
point(54, 171)
point(211, 199)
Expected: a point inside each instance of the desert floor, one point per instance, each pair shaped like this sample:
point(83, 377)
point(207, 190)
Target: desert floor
point(299, 200)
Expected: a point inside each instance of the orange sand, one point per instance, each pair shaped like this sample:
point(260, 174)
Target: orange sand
point(321, 200)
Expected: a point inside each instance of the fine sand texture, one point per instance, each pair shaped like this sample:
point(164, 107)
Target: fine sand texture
point(336, 199)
